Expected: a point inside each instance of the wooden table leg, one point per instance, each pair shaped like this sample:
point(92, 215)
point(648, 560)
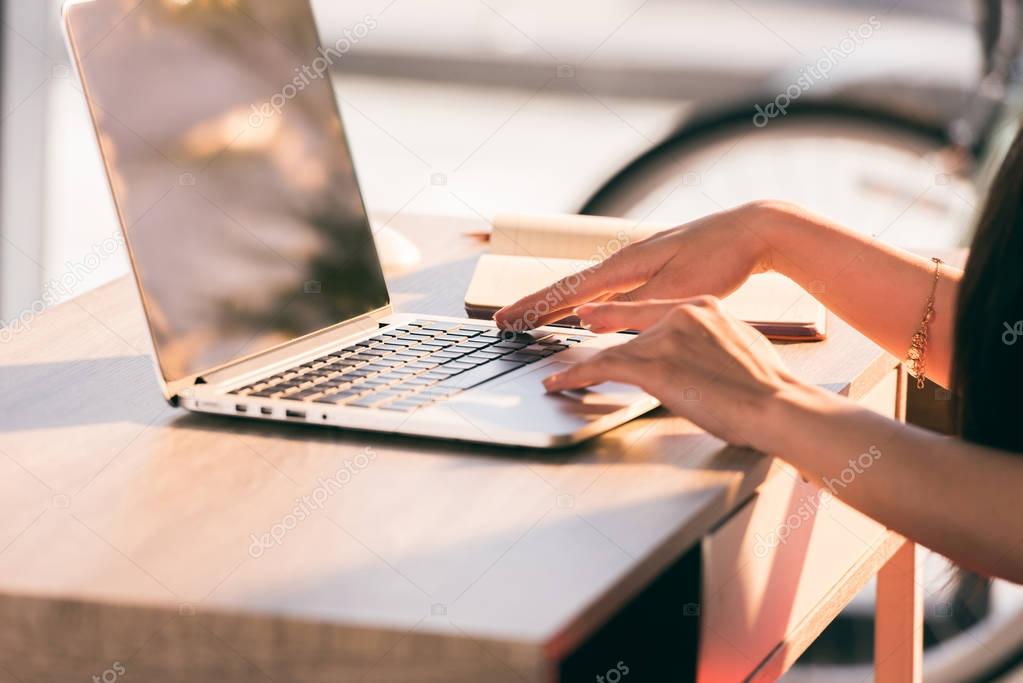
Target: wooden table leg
point(898, 625)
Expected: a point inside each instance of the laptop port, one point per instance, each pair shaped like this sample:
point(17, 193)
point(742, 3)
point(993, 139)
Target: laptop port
point(267, 411)
point(296, 414)
point(241, 408)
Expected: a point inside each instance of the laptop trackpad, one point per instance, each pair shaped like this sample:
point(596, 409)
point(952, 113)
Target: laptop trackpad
point(522, 403)
point(600, 399)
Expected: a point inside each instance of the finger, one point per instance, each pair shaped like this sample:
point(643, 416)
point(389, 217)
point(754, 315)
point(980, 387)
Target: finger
point(617, 274)
point(660, 283)
point(552, 317)
point(607, 366)
point(613, 316)
point(645, 292)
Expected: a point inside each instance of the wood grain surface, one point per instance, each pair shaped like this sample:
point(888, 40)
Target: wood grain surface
point(136, 534)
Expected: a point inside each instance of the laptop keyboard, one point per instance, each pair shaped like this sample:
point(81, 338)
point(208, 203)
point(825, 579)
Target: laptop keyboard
point(408, 367)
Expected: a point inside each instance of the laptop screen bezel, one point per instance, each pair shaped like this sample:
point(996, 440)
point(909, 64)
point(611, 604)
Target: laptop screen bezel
point(172, 388)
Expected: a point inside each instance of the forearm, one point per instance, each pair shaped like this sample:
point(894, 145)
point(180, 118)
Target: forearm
point(957, 498)
point(878, 289)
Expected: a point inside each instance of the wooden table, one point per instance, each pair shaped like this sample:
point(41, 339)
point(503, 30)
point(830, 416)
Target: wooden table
point(135, 536)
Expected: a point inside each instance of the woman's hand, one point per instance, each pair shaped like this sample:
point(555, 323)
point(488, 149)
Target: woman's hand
point(700, 362)
point(710, 256)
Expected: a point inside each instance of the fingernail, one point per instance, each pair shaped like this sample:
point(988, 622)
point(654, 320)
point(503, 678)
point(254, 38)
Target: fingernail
point(551, 382)
point(581, 312)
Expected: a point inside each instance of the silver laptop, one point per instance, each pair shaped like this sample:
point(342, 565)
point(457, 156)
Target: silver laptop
point(253, 253)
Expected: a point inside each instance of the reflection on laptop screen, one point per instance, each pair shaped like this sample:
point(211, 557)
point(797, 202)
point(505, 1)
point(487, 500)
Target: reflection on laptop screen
point(230, 170)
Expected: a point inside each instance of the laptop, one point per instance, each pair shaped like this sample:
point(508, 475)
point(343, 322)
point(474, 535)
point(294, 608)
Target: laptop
point(252, 249)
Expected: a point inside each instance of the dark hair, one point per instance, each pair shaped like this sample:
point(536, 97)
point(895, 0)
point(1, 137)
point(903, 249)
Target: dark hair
point(987, 364)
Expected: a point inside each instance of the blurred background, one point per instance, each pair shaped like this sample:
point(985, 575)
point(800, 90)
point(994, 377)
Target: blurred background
point(885, 114)
point(471, 106)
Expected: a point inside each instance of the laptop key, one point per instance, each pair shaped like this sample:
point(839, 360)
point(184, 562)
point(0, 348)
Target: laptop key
point(523, 357)
point(440, 391)
point(461, 349)
point(374, 398)
point(379, 367)
point(539, 349)
point(409, 355)
point(420, 398)
point(509, 345)
point(437, 375)
point(521, 337)
point(484, 373)
point(473, 359)
point(441, 326)
point(340, 397)
point(306, 394)
point(399, 407)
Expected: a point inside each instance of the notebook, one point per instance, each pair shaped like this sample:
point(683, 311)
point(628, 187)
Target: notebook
point(529, 252)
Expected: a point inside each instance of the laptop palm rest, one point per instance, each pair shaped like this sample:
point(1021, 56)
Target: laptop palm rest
point(521, 403)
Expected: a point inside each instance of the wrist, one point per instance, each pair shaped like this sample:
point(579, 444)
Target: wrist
point(784, 420)
point(776, 227)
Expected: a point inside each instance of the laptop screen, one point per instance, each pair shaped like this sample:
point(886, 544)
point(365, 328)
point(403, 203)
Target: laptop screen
point(231, 172)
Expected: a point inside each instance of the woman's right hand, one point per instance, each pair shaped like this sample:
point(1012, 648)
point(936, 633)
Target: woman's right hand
point(710, 256)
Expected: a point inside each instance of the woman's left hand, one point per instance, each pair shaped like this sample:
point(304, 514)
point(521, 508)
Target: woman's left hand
point(699, 361)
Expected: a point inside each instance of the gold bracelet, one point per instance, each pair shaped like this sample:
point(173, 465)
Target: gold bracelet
point(918, 348)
